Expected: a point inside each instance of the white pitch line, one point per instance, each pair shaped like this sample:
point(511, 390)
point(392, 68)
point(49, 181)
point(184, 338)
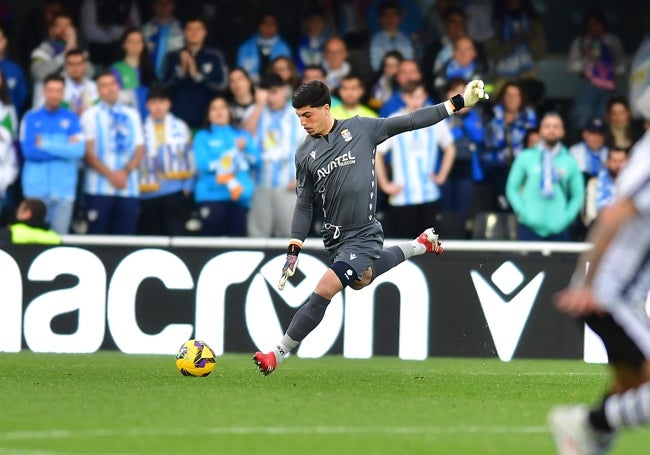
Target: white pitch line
point(240, 430)
point(532, 373)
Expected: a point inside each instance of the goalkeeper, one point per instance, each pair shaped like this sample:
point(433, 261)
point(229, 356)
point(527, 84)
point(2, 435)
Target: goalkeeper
point(336, 163)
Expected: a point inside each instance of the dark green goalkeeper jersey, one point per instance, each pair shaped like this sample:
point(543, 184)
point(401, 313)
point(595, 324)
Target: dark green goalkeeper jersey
point(339, 168)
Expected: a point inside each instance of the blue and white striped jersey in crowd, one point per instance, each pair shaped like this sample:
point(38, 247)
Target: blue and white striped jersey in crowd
point(115, 132)
point(278, 135)
point(414, 158)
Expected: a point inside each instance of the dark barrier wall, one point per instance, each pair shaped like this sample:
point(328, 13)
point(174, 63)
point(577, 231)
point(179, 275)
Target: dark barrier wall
point(476, 303)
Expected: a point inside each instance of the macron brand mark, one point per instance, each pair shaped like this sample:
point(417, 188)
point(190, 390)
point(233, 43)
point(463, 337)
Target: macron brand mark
point(344, 160)
point(506, 318)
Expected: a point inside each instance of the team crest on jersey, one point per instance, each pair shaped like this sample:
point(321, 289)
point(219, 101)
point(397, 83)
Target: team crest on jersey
point(65, 123)
point(313, 154)
point(207, 67)
point(347, 137)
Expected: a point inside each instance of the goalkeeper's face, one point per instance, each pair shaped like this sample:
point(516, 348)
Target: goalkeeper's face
point(317, 121)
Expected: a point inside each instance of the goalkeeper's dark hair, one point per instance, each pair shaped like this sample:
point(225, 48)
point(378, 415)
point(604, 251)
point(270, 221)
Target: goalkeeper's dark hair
point(311, 94)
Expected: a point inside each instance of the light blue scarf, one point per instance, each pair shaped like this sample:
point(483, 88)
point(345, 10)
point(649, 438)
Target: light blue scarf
point(118, 130)
point(605, 190)
point(549, 174)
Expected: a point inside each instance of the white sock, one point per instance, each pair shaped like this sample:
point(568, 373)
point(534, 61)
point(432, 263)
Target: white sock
point(286, 345)
point(412, 248)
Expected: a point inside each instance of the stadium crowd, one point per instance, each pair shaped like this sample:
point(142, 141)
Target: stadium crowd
point(174, 118)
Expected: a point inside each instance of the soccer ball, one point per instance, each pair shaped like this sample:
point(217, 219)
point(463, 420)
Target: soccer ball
point(195, 358)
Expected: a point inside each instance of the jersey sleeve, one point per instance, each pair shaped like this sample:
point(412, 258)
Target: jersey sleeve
point(381, 129)
point(304, 181)
point(303, 211)
point(385, 146)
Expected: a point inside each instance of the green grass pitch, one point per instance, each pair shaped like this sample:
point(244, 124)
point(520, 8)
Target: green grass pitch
point(112, 403)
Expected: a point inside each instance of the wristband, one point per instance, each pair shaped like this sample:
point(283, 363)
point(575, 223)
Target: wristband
point(458, 102)
point(294, 247)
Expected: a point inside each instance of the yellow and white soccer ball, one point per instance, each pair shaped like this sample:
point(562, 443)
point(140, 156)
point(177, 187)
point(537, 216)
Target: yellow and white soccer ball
point(195, 358)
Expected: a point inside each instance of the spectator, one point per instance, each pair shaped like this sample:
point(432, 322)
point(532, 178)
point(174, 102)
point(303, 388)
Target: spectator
point(286, 69)
point(504, 139)
point(463, 64)
point(545, 186)
point(518, 43)
point(407, 72)
point(351, 93)
point(30, 226)
point(80, 91)
point(8, 163)
point(277, 132)
point(52, 143)
point(467, 130)
point(241, 95)
point(596, 56)
point(389, 38)
point(255, 54)
point(166, 170)
point(134, 71)
point(411, 17)
point(591, 153)
point(477, 18)
point(622, 130)
point(601, 189)
point(49, 56)
point(103, 22)
point(224, 160)
point(336, 65)
point(317, 73)
point(13, 74)
point(441, 50)
point(385, 85)
point(8, 117)
point(114, 150)
point(35, 27)
point(163, 33)
point(194, 75)
point(414, 189)
point(310, 46)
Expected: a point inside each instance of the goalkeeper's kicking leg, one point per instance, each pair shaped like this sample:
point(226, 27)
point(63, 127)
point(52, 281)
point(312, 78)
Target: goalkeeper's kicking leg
point(340, 275)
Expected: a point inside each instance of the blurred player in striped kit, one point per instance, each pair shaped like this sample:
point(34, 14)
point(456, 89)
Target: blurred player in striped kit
point(609, 290)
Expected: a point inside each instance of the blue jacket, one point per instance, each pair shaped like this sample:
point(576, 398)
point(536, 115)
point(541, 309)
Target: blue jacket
point(50, 170)
point(248, 55)
point(16, 83)
point(215, 152)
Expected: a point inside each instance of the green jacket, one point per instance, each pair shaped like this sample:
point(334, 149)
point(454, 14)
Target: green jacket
point(22, 233)
point(545, 216)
